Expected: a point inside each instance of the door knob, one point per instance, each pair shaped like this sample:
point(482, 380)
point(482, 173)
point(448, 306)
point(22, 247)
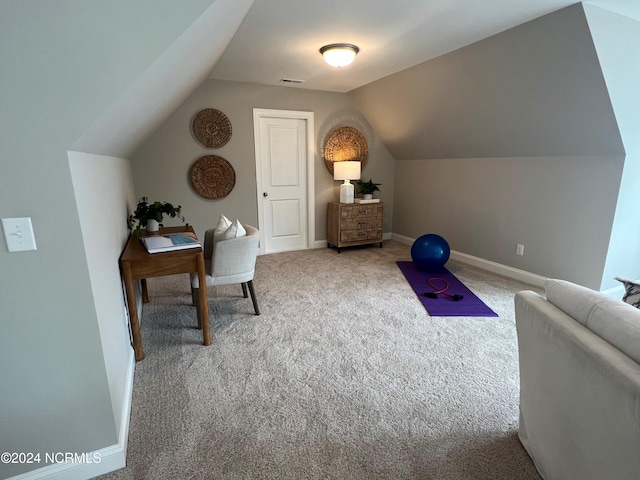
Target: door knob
point(265, 194)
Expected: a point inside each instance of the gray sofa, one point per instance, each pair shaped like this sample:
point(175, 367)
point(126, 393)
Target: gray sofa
point(579, 353)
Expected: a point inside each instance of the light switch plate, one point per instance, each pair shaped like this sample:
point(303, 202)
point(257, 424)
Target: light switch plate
point(18, 232)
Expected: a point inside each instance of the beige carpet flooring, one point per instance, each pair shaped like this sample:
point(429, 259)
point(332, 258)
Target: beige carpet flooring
point(343, 376)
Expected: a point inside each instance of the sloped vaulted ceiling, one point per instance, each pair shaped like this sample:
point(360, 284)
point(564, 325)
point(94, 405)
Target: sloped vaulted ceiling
point(534, 90)
point(155, 95)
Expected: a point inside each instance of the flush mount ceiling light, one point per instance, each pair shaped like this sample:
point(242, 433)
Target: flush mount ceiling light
point(339, 54)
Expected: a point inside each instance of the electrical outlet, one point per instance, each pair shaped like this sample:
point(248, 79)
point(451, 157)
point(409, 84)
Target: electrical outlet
point(519, 249)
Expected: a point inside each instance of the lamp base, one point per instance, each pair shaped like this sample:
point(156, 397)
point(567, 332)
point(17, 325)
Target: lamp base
point(346, 193)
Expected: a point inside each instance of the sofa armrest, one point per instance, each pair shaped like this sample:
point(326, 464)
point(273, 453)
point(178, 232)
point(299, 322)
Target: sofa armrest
point(579, 396)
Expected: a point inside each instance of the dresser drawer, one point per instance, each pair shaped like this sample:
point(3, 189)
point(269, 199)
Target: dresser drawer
point(354, 224)
point(354, 211)
point(359, 222)
point(362, 234)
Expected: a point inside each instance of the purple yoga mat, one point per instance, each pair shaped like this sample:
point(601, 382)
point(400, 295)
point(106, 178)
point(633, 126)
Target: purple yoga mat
point(443, 306)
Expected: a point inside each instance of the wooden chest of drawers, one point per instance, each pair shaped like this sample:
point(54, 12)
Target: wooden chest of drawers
point(351, 224)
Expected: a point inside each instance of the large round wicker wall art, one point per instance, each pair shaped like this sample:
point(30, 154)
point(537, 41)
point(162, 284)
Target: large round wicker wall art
point(212, 177)
point(211, 128)
point(345, 144)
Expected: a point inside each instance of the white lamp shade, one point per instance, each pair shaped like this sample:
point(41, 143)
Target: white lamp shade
point(346, 170)
point(340, 54)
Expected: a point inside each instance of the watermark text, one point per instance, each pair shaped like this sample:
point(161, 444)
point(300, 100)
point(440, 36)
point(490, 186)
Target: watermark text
point(49, 457)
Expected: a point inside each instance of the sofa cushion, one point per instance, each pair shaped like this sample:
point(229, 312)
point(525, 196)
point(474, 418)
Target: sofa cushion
point(631, 292)
point(613, 320)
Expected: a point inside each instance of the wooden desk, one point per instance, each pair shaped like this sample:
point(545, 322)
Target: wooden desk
point(137, 263)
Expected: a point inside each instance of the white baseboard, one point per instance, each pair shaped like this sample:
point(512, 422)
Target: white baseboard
point(100, 461)
point(402, 239)
point(498, 268)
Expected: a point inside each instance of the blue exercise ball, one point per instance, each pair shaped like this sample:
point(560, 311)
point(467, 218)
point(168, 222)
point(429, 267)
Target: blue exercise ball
point(430, 252)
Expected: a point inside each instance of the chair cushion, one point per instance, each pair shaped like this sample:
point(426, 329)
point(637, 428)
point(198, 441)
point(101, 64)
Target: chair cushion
point(631, 292)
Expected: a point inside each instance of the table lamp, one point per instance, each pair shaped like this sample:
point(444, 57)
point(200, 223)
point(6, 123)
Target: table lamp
point(346, 171)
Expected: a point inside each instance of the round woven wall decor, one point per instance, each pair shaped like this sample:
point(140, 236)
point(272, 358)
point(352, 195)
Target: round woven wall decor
point(211, 128)
point(212, 177)
point(345, 144)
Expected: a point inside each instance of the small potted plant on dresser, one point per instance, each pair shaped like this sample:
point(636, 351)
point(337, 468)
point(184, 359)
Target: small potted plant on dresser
point(150, 215)
point(367, 189)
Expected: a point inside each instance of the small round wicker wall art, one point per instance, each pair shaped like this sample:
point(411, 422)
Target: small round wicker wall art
point(345, 144)
point(211, 128)
point(212, 177)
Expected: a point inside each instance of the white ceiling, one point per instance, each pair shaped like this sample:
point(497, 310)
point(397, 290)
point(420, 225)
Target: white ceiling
point(281, 38)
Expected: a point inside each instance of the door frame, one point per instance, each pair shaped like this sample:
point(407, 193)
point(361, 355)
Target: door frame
point(259, 113)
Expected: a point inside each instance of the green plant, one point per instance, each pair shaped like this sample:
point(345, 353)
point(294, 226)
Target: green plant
point(367, 187)
point(146, 211)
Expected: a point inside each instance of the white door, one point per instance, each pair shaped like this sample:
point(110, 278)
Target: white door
point(284, 178)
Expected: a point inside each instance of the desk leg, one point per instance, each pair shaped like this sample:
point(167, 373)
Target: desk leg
point(204, 305)
point(133, 311)
point(145, 292)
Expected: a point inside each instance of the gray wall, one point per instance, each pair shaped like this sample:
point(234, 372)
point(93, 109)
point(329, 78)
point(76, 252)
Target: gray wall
point(104, 194)
point(532, 102)
point(64, 64)
point(161, 166)
point(617, 41)
point(534, 90)
point(484, 207)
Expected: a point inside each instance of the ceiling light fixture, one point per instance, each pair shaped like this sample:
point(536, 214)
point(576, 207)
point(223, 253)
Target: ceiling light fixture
point(339, 54)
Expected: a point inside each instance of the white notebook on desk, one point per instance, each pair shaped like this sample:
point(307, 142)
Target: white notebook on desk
point(170, 242)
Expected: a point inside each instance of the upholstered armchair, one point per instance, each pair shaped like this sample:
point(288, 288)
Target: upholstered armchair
point(228, 262)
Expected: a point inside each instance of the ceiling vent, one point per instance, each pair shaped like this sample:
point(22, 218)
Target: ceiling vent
point(291, 80)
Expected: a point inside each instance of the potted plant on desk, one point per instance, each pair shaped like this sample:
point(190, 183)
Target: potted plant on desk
point(150, 215)
point(367, 188)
